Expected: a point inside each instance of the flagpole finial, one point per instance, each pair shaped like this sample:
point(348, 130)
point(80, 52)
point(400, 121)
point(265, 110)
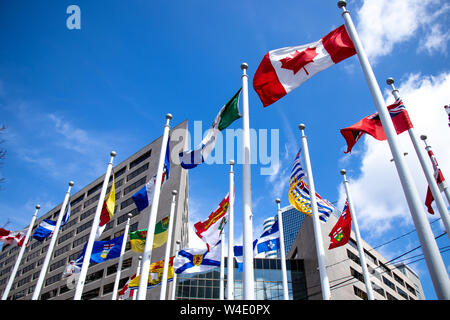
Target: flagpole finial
point(277, 200)
point(174, 192)
point(390, 81)
point(244, 66)
point(343, 171)
point(169, 116)
point(178, 241)
point(71, 183)
point(423, 137)
point(301, 126)
point(38, 206)
point(231, 162)
point(342, 3)
point(113, 153)
point(130, 215)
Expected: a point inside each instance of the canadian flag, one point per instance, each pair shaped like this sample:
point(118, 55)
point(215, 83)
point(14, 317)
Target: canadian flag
point(283, 70)
point(13, 237)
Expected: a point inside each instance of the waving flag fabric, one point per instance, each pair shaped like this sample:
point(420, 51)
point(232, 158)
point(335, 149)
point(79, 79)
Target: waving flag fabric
point(155, 275)
point(47, 226)
point(138, 237)
point(340, 234)
point(269, 240)
point(108, 206)
point(227, 114)
point(283, 70)
point(195, 260)
point(211, 229)
point(439, 179)
point(372, 125)
point(299, 195)
point(239, 255)
point(13, 237)
point(126, 292)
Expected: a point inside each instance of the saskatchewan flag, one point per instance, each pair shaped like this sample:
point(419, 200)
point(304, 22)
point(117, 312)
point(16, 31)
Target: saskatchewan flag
point(138, 237)
point(226, 116)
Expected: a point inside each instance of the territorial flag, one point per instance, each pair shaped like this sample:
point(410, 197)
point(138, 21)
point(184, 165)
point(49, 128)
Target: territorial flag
point(439, 179)
point(340, 234)
point(299, 194)
point(195, 260)
point(227, 114)
point(138, 237)
point(13, 237)
point(211, 229)
point(283, 70)
point(372, 125)
point(47, 226)
point(144, 197)
point(155, 275)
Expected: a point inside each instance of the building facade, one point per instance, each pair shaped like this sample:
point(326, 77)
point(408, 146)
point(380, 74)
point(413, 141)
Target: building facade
point(130, 175)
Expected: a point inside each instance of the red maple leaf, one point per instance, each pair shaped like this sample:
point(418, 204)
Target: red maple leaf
point(299, 60)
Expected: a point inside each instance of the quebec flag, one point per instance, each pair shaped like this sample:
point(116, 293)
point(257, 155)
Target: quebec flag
point(239, 255)
point(47, 226)
point(269, 240)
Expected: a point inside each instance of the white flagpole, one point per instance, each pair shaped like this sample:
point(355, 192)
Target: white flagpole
point(445, 185)
point(282, 252)
point(230, 261)
point(247, 215)
point(168, 245)
point(19, 257)
point(92, 235)
point(138, 272)
point(432, 183)
point(40, 282)
point(362, 256)
point(222, 267)
point(324, 282)
point(430, 249)
point(122, 251)
point(174, 282)
point(147, 255)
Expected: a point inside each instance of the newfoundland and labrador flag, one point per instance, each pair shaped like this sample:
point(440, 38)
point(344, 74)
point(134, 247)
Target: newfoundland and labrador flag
point(340, 234)
point(47, 226)
point(372, 125)
point(283, 70)
point(227, 114)
point(195, 260)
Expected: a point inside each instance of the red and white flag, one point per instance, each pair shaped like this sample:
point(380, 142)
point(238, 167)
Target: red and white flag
point(13, 237)
point(283, 70)
point(439, 179)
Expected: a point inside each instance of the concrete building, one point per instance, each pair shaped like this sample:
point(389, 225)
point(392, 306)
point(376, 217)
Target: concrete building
point(130, 175)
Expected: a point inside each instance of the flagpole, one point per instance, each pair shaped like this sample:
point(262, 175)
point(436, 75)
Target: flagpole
point(324, 282)
point(92, 235)
point(122, 251)
point(19, 257)
point(174, 282)
point(40, 282)
point(282, 252)
point(248, 276)
point(230, 267)
point(432, 183)
point(137, 274)
point(162, 295)
point(362, 256)
point(430, 249)
point(445, 185)
point(222, 267)
point(147, 255)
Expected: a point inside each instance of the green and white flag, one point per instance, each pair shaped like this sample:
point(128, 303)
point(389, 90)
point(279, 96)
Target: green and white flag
point(227, 114)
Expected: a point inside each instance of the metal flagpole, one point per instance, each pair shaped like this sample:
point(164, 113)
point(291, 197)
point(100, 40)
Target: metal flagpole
point(138, 271)
point(432, 183)
point(147, 255)
point(162, 295)
point(174, 282)
point(430, 249)
point(282, 252)
point(222, 266)
point(230, 261)
point(19, 257)
point(444, 184)
point(362, 256)
point(248, 276)
point(40, 282)
point(122, 251)
point(324, 282)
point(93, 233)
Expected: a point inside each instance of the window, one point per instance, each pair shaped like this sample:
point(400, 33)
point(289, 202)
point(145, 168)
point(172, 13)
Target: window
point(91, 294)
point(111, 269)
point(398, 279)
point(410, 289)
point(402, 293)
point(137, 172)
point(118, 174)
point(77, 200)
point(358, 292)
point(62, 250)
point(23, 281)
point(28, 268)
point(377, 288)
point(370, 257)
point(134, 185)
point(79, 241)
point(33, 255)
point(85, 226)
point(63, 289)
point(127, 263)
point(390, 296)
point(52, 279)
point(65, 237)
point(388, 283)
point(107, 288)
point(94, 189)
point(49, 294)
point(87, 213)
point(70, 223)
point(91, 200)
point(126, 203)
point(353, 257)
point(58, 264)
point(140, 159)
point(356, 275)
point(385, 269)
point(94, 276)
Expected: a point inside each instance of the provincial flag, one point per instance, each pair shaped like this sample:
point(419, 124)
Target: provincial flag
point(138, 237)
point(227, 114)
point(109, 205)
point(283, 70)
point(47, 226)
point(144, 197)
point(195, 260)
point(155, 275)
point(340, 234)
point(299, 194)
point(439, 179)
point(239, 255)
point(211, 229)
point(13, 237)
point(372, 125)
point(269, 240)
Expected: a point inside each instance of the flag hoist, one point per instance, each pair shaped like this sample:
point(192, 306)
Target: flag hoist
point(430, 249)
point(362, 256)
point(94, 228)
point(40, 282)
point(432, 183)
point(324, 282)
point(147, 255)
point(19, 257)
point(230, 261)
point(282, 252)
point(248, 276)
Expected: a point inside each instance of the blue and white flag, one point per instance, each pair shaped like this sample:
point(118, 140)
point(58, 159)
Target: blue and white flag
point(47, 226)
point(239, 255)
point(269, 240)
point(195, 260)
point(144, 197)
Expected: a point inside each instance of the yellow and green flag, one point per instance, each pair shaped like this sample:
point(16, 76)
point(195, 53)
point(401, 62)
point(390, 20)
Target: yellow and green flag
point(138, 237)
point(155, 275)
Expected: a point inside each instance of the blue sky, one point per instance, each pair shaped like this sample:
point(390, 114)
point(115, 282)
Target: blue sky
point(69, 97)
